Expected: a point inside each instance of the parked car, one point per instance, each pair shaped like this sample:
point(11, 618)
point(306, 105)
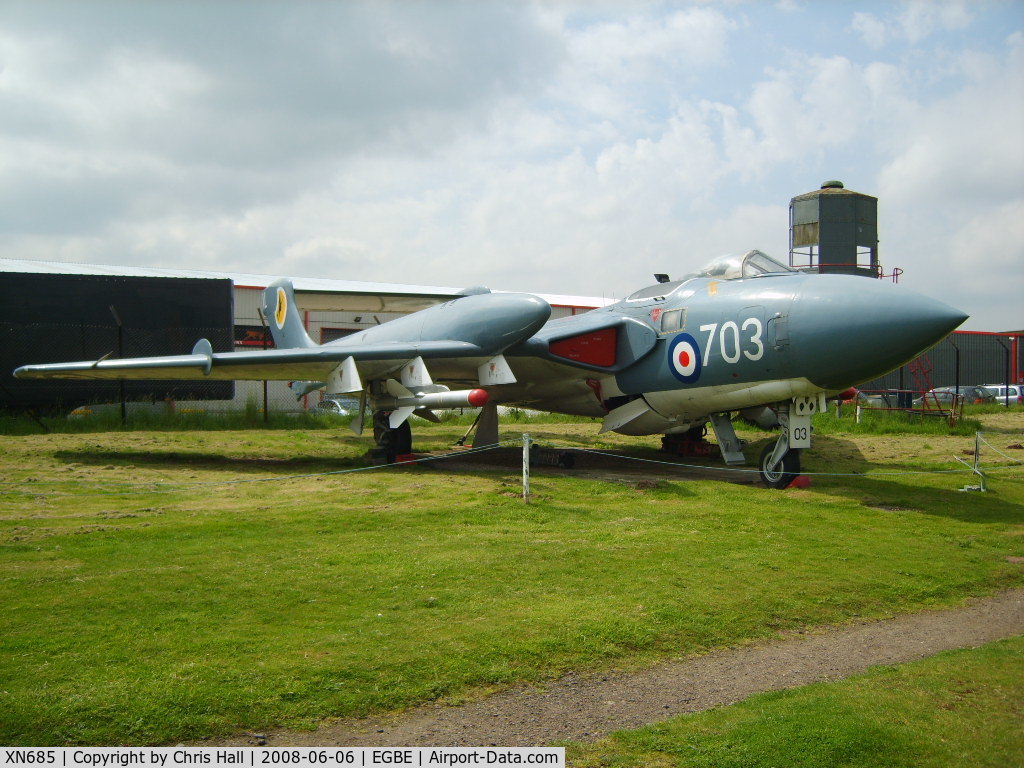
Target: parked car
point(943, 396)
point(873, 400)
point(881, 398)
point(337, 406)
point(1006, 395)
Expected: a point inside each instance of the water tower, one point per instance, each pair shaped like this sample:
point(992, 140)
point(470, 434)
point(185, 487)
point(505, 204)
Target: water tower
point(834, 229)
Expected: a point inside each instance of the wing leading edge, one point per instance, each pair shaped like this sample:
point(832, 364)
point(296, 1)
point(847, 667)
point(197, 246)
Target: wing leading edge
point(271, 364)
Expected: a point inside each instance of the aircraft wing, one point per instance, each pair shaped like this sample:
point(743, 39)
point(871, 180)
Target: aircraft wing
point(314, 363)
point(457, 337)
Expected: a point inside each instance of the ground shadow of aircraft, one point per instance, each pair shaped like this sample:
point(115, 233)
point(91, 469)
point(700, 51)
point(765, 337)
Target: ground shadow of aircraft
point(745, 333)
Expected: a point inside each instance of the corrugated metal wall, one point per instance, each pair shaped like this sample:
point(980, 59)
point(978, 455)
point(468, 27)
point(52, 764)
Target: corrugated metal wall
point(47, 318)
point(984, 358)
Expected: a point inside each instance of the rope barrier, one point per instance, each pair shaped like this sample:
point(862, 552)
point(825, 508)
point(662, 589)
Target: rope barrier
point(757, 471)
point(1010, 458)
point(156, 486)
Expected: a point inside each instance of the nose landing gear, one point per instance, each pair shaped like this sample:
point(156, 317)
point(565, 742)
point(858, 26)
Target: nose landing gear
point(779, 464)
point(779, 473)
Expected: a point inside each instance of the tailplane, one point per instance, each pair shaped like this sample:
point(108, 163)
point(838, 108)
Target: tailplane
point(282, 315)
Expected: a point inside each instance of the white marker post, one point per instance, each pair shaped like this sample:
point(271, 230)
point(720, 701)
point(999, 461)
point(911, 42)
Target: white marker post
point(976, 469)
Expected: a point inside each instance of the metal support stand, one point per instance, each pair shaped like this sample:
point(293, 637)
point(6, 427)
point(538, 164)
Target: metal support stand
point(487, 427)
point(462, 440)
point(782, 444)
point(729, 444)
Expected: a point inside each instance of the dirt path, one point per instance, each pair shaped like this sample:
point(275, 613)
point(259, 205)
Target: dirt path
point(586, 708)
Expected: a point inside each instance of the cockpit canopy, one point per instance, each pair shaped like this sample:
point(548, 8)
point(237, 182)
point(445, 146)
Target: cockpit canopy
point(750, 264)
point(730, 267)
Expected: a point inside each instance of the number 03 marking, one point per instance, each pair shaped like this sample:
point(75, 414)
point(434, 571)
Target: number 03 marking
point(734, 340)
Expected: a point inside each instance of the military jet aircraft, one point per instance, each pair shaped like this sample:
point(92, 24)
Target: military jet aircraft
point(745, 334)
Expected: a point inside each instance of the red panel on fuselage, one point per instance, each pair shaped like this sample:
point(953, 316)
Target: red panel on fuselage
point(596, 348)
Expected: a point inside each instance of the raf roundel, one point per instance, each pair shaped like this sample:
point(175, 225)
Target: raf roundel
point(684, 358)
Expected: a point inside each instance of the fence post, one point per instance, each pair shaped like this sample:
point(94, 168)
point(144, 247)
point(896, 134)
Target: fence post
point(266, 344)
point(526, 468)
point(120, 353)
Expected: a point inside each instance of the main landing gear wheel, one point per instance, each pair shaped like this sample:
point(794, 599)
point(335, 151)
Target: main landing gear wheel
point(784, 472)
point(391, 442)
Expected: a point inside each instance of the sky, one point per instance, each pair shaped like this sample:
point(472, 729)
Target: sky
point(555, 147)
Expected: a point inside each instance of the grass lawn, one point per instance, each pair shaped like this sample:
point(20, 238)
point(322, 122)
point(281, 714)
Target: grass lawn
point(149, 596)
point(959, 709)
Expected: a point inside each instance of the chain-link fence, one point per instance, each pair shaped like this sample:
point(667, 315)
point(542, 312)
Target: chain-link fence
point(964, 358)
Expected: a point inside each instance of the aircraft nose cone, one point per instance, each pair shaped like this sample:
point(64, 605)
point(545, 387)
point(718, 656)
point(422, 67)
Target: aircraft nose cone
point(855, 329)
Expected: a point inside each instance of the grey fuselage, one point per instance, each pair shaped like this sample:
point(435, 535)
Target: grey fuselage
point(710, 345)
point(671, 355)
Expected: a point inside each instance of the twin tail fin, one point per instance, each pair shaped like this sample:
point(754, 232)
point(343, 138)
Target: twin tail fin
point(282, 315)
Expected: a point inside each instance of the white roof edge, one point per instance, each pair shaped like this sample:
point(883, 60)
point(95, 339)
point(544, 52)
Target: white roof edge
point(318, 284)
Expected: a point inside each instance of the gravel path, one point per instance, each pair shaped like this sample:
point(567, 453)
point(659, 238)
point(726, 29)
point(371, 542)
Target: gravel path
point(586, 708)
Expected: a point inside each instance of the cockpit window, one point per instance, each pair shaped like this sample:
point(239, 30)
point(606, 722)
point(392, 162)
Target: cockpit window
point(732, 267)
point(758, 263)
point(656, 291)
point(672, 320)
point(750, 264)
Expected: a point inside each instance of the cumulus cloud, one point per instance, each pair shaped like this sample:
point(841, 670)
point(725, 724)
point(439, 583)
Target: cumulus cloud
point(257, 104)
point(563, 148)
point(954, 186)
point(920, 18)
point(912, 21)
point(871, 28)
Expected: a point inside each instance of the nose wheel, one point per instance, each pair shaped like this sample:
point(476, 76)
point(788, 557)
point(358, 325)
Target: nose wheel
point(778, 473)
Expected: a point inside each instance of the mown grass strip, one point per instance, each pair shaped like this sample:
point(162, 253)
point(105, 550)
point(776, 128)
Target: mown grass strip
point(957, 709)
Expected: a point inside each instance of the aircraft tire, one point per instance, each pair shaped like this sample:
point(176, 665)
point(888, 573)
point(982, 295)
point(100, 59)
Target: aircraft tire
point(393, 442)
point(403, 438)
point(784, 473)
